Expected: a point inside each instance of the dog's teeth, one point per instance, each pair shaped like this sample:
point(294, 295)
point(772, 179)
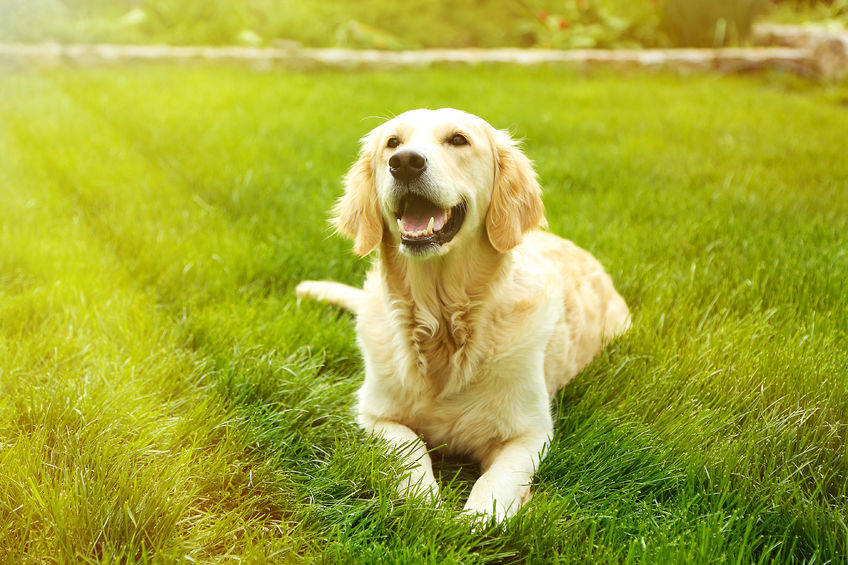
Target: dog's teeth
point(400, 225)
point(430, 226)
point(447, 214)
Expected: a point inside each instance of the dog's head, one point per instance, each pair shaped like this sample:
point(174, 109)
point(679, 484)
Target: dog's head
point(433, 180)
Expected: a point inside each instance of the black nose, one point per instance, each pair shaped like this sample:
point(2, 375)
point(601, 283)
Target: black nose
point(407, 164)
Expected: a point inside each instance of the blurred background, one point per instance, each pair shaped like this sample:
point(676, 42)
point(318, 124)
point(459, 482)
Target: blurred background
point(418, 24)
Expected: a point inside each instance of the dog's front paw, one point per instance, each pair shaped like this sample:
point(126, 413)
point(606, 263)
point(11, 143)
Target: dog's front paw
point(481, 513)
point(494, 502)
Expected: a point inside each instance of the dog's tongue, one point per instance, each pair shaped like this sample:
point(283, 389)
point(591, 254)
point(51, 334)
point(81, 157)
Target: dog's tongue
point(417, 213)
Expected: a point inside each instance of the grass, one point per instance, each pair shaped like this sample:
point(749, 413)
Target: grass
point(164, 397)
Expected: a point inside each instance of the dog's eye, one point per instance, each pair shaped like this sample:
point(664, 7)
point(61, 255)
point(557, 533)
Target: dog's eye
point(393, 142)
point(458, 139)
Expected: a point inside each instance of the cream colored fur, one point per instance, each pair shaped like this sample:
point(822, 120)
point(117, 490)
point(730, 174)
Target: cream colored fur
point(464, 348)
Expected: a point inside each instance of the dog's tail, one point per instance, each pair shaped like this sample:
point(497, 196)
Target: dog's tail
point(347, 297)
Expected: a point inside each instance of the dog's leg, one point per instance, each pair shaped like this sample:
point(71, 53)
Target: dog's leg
point(505, 484)
point(419, 479)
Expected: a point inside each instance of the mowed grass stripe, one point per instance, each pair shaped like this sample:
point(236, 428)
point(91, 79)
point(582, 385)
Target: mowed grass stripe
point(114, 448)
point(668, 438)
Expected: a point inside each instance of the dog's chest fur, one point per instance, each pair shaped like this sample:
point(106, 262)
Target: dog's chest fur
point(446, 371)
point(443, 346)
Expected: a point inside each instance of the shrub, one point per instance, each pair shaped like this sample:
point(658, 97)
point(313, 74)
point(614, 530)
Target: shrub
point(709, 23)
point(195, 21)
point(596, 23)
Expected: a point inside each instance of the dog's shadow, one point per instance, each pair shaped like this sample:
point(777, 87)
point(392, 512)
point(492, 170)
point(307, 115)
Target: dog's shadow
point(455, 475)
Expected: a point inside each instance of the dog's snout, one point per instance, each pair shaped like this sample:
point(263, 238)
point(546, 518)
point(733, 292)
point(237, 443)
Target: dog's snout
point(407, 165)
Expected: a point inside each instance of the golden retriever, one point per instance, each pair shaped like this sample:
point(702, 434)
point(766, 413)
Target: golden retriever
point(471, 318)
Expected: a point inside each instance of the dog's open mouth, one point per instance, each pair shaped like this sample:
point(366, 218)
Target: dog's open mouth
point(423, 224)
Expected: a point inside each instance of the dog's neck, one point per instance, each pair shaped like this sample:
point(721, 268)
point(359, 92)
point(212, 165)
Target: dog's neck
point(440, 284)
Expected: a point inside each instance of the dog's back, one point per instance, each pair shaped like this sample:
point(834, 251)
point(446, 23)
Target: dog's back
point(594, 312)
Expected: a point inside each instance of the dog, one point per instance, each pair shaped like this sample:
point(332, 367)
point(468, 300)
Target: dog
point(472, 317)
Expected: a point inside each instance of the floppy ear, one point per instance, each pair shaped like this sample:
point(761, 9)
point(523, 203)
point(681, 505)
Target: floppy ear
point(357, 214)
point(516, 204)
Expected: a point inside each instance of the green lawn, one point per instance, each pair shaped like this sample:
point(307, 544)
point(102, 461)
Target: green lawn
point(163, 396)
